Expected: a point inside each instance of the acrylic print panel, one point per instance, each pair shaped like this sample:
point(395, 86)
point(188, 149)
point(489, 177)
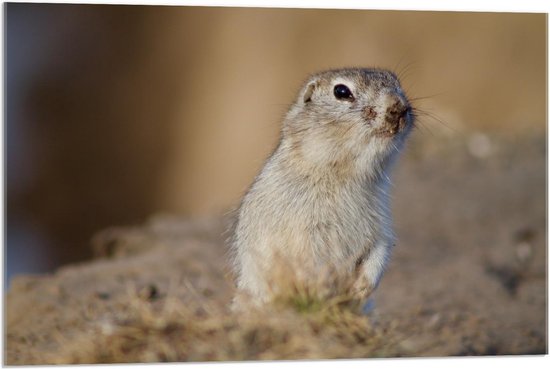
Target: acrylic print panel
point(133, 132)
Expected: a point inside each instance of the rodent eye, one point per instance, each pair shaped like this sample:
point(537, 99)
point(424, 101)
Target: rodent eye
point(342, 92)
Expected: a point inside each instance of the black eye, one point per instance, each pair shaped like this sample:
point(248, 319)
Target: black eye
point(342, 92)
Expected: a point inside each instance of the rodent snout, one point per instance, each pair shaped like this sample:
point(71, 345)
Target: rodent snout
point(397, 113)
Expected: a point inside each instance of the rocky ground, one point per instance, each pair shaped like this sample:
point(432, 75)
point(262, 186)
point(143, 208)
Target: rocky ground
point(468, 277)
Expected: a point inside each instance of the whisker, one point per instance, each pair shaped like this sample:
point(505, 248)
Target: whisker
point(426, 97)
point(434, 117)
point(405, 72)
point(424, 128)
point(398, 65)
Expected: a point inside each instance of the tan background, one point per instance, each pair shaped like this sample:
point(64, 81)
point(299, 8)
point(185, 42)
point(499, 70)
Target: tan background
point(118, 112)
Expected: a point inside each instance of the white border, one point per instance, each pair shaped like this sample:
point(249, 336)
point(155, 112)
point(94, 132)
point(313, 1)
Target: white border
point(523, 6)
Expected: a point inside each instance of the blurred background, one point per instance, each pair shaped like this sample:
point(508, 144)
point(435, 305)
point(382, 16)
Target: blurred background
point(114, 113)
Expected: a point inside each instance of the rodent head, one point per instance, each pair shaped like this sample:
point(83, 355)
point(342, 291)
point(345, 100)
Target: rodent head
point(353, 112)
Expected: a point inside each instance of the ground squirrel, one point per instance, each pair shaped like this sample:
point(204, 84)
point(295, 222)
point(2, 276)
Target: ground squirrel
point(322, 197)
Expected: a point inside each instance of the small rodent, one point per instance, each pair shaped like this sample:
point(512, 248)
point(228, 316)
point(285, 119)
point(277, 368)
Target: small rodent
point(322, 197)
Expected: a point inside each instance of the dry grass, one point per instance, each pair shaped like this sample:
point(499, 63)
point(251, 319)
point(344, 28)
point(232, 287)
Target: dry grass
point(312, 321)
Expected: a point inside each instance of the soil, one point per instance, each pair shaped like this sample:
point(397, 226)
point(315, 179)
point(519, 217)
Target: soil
point(467, 277)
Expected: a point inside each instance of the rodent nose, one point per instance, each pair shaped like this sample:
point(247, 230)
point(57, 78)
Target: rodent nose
point(397, 107)
point(396, 113)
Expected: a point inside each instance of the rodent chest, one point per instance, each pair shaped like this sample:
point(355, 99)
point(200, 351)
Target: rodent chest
point(327, 220)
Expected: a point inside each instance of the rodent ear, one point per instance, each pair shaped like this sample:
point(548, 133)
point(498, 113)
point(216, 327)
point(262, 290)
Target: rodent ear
point(309, 91)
